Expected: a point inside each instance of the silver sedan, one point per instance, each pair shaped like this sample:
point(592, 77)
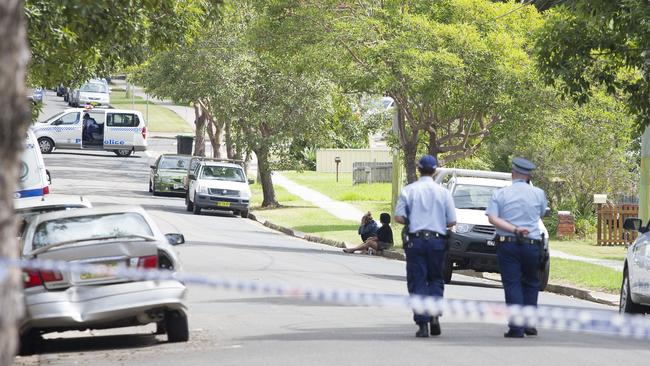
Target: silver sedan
point(110, 236)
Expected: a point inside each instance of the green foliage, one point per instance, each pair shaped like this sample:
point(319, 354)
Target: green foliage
point(599, 42)
point(73, 40)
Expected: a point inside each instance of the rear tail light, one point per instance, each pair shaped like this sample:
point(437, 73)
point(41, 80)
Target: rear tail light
point(33, 278)
point(46, 190)
point(150, 261)
point(144, 132)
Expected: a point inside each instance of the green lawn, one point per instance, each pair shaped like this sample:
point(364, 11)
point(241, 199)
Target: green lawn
point(585, 275)
point(160, 118)
point(588, 248)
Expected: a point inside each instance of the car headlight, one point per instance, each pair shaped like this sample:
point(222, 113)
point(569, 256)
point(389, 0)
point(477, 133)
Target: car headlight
point(462, 228)
point(202, 189)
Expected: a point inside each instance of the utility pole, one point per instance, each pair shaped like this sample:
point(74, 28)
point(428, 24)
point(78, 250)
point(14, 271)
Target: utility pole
point(644, 181)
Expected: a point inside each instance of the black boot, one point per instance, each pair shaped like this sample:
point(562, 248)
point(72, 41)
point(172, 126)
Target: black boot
point(530, 331)
point(513, 334)
point(435, 326)
point(423, 331)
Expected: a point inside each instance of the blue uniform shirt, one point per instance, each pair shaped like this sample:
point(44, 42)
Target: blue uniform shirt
point(430, 206)
point(520, 204)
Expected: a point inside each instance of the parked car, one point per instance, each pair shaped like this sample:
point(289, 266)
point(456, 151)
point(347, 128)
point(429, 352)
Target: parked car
point(471, 240)
point(94, 93)
point(28, 208)
point(167, 173)
point(33, 178)
point(217, 184)
point(635, 288)
point(60, 90)
point(35, 95)
point(73, 97)
point(57, 301)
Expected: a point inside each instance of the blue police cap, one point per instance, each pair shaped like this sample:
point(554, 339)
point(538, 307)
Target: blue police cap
point(428, 161)
point(523, 166)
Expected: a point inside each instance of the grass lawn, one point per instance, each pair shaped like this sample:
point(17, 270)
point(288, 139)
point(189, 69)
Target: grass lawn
point(588, 248)
point(585, 275)
point(160, 118)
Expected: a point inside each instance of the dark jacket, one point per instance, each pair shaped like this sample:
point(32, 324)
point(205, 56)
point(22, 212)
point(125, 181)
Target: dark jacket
point(368, 230)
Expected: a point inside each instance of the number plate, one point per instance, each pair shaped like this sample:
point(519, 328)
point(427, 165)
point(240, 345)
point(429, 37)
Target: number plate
point(91, 276)
point(490, 243)
point(223, 204)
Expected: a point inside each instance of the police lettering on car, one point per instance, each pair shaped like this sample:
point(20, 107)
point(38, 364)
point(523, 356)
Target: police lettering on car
point(515, 211)
point(428, 211)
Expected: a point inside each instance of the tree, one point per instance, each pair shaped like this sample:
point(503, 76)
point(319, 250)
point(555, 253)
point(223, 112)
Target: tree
point(14, 119)
point(453, 71)
point(600, 42)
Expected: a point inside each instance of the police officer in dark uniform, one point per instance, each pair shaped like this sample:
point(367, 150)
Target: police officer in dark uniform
point(515, 211)
point(428, 210)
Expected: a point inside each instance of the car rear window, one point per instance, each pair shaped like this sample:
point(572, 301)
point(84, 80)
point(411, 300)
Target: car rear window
point(472, 197)
point(174, 162)
point(88, 227)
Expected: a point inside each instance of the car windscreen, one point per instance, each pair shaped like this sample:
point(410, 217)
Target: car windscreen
point(472, 197)
point(94, 88)
point(88, 227)
point(174, 162)
point(223, 173)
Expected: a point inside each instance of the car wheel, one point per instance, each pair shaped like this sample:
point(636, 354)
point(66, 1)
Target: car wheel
point(195, 208)
point(46, 145)
point(188, 204)
point(244, 213)
point(176, 327)
point(626, 305)
point(123, 153)
point(544, 274)
point(153, 190)
point(30, 343)
point(447, 270)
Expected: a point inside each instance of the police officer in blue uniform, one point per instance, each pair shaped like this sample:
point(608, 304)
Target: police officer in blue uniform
point(428, 210)
point(515, 211)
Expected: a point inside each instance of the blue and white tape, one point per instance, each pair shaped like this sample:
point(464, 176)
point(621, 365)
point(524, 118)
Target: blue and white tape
point(548, 317)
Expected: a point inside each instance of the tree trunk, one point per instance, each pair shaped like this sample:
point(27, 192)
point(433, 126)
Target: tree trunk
point(214, 132)
point(264, 172)
point(14, 121)
point(230, 148)
point(199, 134)
point(433, 147)
point(410, 156)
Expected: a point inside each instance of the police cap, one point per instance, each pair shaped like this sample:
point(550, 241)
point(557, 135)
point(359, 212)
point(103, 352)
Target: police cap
point(523, 166)
point(428, 161)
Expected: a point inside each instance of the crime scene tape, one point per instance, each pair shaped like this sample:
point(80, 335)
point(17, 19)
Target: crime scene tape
point(548, 317)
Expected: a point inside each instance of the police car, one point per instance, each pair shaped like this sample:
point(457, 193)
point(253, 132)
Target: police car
point(33, 178)
point(471, 240)
point(118, 130)
point(635, 288)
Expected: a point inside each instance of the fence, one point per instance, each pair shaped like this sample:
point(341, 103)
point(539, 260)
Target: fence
point(610, 223)
point(325, 162)
point(371, 172)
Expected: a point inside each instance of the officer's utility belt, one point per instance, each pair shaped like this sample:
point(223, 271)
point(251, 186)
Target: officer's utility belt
point(514, 239)
point(426, 234)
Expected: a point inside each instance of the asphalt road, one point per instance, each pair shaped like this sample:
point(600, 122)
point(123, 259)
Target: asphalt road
point(232, 328)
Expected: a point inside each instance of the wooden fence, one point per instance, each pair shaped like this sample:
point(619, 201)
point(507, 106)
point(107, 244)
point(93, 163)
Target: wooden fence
point(610, 223)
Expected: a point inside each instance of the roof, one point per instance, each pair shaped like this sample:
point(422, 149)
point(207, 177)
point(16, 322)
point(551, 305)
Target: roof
point(112, 209)
point(98, 109)
point(483, 182)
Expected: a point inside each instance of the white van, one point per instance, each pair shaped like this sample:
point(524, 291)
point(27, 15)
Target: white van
point(32, 177)
point(118, 130)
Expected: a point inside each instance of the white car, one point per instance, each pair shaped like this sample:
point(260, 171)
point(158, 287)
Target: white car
point(33, 179)
point(635, 289)
point(471, 240)
point(111, 236)
point(28, 208)
point(218, 185)
point(122, 131)
point(93, 93)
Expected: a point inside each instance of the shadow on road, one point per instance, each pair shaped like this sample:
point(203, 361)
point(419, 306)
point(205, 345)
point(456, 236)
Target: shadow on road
point(98, 343)
point(465, 335)
point(87, 153)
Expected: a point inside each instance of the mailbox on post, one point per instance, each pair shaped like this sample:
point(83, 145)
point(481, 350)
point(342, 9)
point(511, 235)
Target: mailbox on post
point(337, 160)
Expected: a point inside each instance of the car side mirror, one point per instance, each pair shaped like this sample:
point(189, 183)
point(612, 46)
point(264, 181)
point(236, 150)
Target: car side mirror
point(633, 224)
point(49, 177)
point(57, 122)
point(175, 239)
point(251, 181)
point(152, 166)
point(547, 212)
point(191, 176)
